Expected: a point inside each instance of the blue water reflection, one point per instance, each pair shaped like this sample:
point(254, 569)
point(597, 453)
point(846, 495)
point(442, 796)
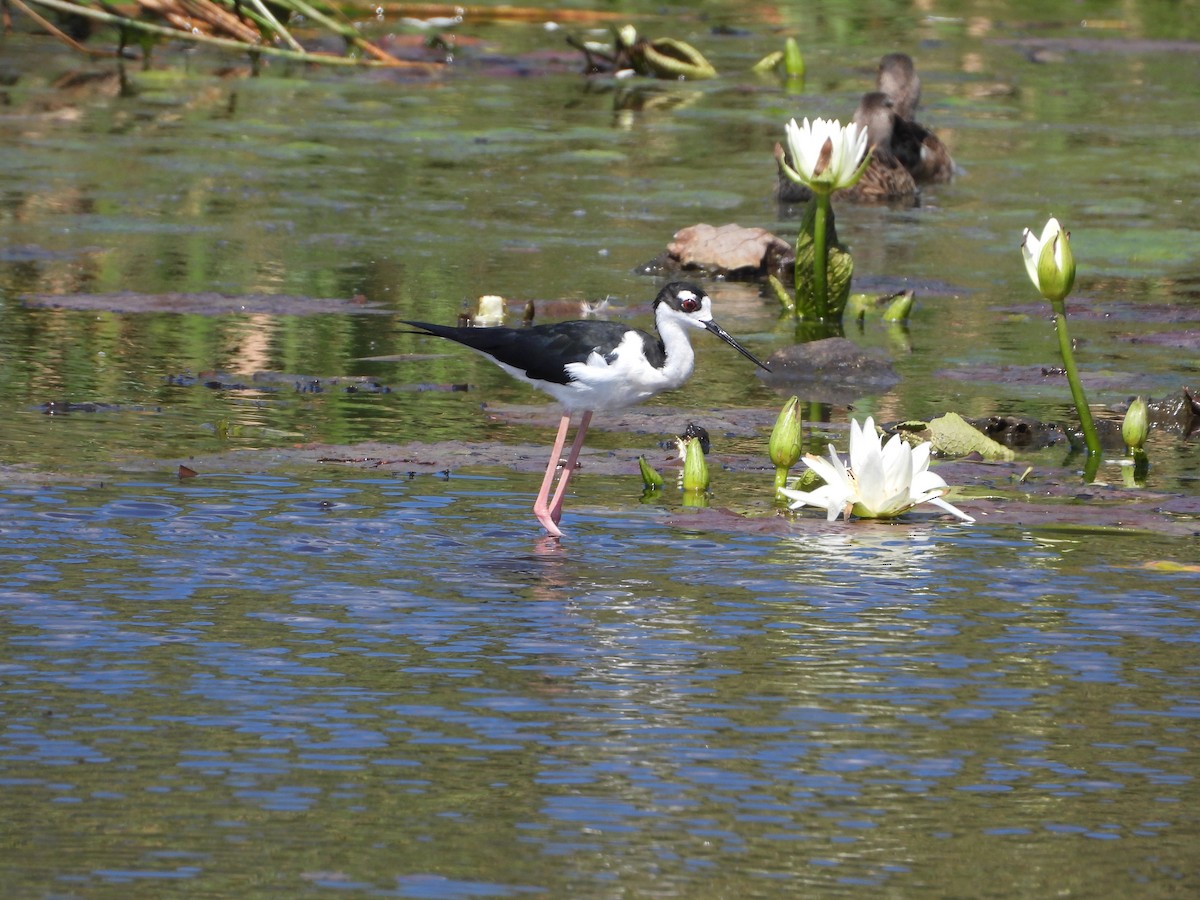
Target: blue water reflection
point(237, 662)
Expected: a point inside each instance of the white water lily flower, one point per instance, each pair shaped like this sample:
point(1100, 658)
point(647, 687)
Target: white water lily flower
point(824, 154)
point(881, 482)
point(1049, 261)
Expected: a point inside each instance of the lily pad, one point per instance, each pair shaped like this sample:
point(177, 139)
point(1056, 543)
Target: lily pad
point(954, 436)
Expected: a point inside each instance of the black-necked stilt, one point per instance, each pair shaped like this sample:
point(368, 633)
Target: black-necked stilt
point(591, 366)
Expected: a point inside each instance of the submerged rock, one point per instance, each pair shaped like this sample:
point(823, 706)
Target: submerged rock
point(833, 370)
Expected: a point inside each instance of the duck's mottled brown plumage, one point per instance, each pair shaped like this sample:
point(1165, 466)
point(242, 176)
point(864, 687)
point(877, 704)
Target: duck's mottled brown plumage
point(917, 148)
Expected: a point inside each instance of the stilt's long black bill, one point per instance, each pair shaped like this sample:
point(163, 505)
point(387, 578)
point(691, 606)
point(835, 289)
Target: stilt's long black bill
point(728, 338)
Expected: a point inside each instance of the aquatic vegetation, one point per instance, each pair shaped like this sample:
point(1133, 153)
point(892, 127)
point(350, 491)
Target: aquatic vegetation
point(630, 53)
point(251, 27)
point(490, 311)
point(881, 481)
point(1135, 427)
point(825, 156)
point(695, 469)
point(788, 63)
point(651, 480)
point(1051, 268)
point(786, 441)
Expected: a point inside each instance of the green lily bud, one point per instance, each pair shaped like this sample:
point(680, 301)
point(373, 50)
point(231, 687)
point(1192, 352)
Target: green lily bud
point(900, 307)
point(793, 61)
point(785, 437)
point(785, 445)
point(650, 478)
point(1049, 261)
point(695, 469)
point(1056, 268)
point(1136, 425)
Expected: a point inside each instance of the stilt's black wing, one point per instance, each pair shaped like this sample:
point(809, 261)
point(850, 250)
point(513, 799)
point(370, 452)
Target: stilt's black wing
point(543, 351)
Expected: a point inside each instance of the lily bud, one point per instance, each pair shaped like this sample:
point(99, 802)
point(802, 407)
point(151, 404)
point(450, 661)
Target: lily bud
point(1136, 425)
point(900, 307)
point(1049, 261)
point(650, 478)
point(784, 447)
point(695, 469)
point(793, 60)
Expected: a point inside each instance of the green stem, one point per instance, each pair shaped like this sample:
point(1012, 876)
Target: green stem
point(781, 476)
point(1081, 405)
point(821, 256)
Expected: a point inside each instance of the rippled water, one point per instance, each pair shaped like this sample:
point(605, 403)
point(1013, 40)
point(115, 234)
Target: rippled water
point(290, 679)
point(389, 686)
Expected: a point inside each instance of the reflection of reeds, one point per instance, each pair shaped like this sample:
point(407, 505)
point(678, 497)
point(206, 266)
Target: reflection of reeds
point(242, 25)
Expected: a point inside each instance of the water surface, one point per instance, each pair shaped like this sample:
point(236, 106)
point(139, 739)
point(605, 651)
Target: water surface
point(286, 678)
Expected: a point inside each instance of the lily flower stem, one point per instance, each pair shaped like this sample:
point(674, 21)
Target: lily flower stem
point(781, 477)
point(821, 255)
point(1081, 405)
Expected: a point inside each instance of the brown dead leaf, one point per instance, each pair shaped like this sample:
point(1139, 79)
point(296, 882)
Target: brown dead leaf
point(730, 247)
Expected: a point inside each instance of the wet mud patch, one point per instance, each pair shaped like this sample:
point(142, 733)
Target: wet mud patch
point(1050, 375)
point(1185, 339)
point(995, 493)
point(1100, 308)
point(832, 370)
point(742, 422)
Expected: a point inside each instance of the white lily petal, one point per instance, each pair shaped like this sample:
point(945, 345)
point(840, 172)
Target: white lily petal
point(860, 445)
point(928, 483)
point(838, 465)
point(897, 462)
point(1031, 252)
point(825, 469)
point(801, 140)
point(920, 458)
point(950, 508)
point(866, 462)
point(825, 497)
point(796, 144)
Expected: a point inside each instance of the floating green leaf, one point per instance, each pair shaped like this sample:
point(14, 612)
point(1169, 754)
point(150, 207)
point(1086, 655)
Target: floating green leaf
point(952, 435)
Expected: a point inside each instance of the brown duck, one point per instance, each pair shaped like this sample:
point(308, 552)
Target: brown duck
point(917, 148)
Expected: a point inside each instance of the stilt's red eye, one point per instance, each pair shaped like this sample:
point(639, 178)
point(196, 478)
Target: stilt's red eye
point(689, 302)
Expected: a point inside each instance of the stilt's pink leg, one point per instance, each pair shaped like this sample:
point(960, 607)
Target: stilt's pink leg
point(569, 466)
point(541, 506)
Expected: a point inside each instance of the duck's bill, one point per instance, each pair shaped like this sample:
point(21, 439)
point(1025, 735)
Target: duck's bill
point(728, 338)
